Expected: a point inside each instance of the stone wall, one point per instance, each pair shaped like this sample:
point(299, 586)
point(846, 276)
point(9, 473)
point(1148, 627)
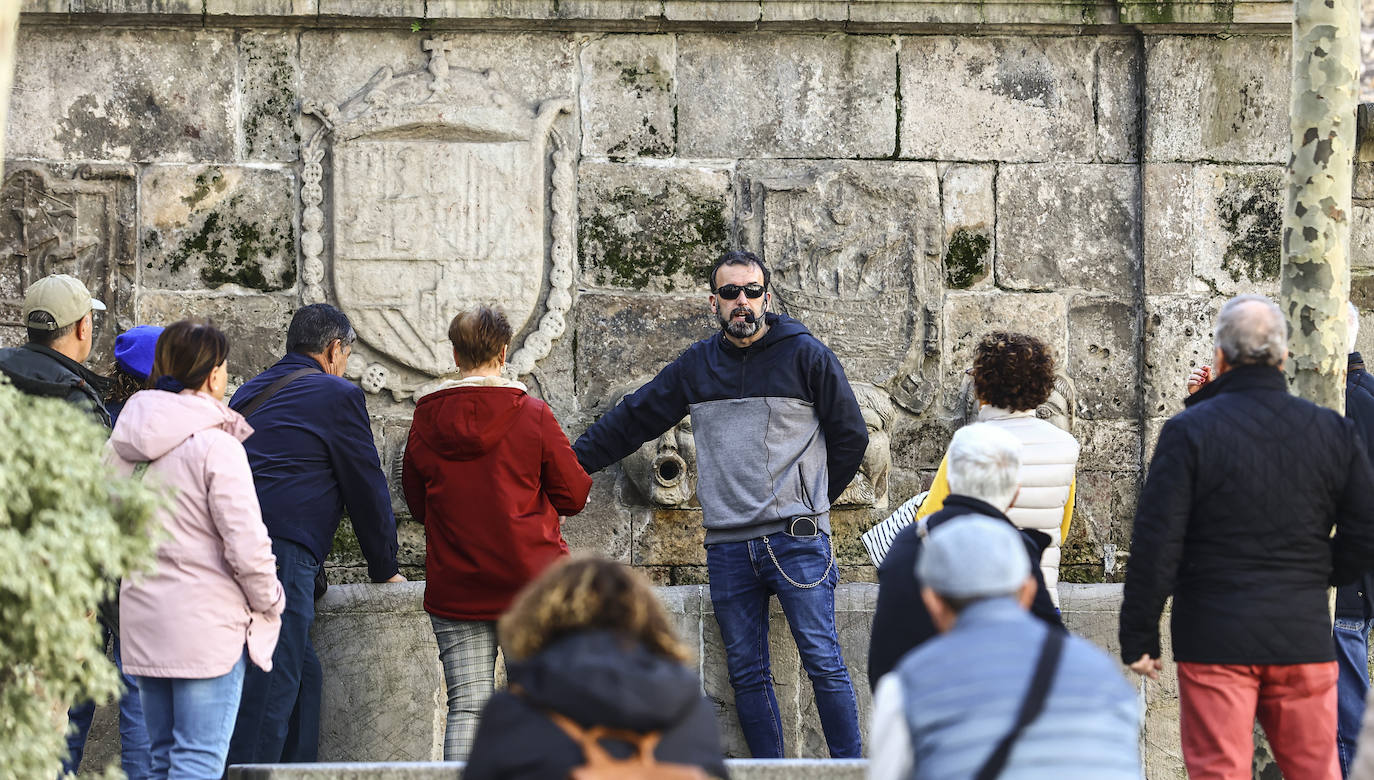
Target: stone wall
point(1101, 174)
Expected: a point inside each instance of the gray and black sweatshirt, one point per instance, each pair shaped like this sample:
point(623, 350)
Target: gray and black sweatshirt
point(778, 431)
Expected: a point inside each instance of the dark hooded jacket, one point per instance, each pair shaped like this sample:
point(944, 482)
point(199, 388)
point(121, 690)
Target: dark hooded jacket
point(1356, 600)
point(488, 471)
point(595, 678)
point(1235, 522)
point(44, 372)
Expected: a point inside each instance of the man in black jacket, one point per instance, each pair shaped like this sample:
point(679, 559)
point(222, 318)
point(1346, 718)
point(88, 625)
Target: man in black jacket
point(1235, 522)
point(58, 315)
point(779, 436)
point(982, 467)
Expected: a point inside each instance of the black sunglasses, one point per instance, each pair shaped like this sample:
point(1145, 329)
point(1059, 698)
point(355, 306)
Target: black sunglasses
point(729, 292)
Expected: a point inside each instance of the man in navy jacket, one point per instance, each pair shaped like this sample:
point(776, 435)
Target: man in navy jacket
point(313, 456)
point(779, 436)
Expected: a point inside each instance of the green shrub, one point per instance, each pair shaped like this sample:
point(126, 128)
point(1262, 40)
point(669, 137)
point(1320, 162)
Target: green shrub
point(68, 528)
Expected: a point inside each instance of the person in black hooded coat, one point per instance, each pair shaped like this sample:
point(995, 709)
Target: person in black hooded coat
point(590, 641)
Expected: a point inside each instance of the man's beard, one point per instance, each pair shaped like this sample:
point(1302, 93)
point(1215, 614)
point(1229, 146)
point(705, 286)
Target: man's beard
point(740, 329)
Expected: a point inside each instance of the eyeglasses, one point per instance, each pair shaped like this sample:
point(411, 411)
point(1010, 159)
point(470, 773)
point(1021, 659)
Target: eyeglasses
point(730, 292)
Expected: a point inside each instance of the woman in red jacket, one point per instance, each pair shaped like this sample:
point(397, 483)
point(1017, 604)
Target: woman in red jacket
point(488, 471)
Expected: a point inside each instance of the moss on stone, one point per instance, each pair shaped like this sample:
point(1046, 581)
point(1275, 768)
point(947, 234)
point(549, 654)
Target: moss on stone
point(637, 239)
point(966, 259)
point(206, 181)
point(1248, 207)
point(231, 249)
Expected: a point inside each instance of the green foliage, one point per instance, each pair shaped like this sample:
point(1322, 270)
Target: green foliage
point(68, 527)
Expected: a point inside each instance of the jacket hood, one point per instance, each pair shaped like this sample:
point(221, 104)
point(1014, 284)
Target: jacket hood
point(467, 417)
point(780, 328)
point(154, 422)
point(599, 678)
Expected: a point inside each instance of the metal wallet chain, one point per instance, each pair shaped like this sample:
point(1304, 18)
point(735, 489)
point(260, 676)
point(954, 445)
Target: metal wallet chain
point(830, 549)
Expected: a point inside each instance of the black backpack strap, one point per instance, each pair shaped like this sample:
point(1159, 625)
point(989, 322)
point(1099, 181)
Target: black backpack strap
point(266, 395)
point(1031, 706)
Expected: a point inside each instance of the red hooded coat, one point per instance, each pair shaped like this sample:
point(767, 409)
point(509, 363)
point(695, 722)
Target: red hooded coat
point(488, 471)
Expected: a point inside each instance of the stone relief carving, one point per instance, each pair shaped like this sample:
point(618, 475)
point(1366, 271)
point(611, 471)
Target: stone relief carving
point(1059, 409)
point(869, 487)
point(662, 472)
point(441, 192)
point(73, 220)
point(855, 253)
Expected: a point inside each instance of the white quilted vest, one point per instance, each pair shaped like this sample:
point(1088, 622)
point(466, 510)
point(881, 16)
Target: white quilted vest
point(1049, 457)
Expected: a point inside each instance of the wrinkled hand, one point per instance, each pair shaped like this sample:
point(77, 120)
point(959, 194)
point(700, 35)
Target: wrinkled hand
point(1147, 667)
point(1199, 378)
point(397, 577)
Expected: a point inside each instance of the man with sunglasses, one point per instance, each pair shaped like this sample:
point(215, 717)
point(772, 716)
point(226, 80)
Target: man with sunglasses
point(779, 436)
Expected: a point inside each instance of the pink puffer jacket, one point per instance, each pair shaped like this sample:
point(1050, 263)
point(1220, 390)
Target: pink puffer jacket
point(215, 587)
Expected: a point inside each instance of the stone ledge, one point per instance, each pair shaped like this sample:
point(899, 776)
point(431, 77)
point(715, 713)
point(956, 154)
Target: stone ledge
point(876, 16)
point(740, 769)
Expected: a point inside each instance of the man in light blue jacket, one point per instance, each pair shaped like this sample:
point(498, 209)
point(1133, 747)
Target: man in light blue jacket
point(998, 694)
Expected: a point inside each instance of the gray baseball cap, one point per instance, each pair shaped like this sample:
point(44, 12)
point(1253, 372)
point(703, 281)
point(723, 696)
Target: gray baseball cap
point(972, 557)
point(57, 301)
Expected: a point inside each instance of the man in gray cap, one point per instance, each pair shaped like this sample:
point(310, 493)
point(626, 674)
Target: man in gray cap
point(57, 315)
point(998, 694)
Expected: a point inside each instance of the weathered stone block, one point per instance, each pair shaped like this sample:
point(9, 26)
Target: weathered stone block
point(382, 8)
point(786, 96)
point(618, 332)
point(651, 228)
point(1178, 338)
point(262, 7)
point(270, 79)
point(379, 710)
point(604, 526)
point(1362, 237)
point(1215, 228)
point(1104, 514)
point(335, 64)
point(846, 240)
point(669, 537)
point(1108, 445)
point(970, 316)
point(1117, 102)
point(1068, 225)
point(1102, 358)
point(627, 96)
point(711, 10)
point(255, 324)
point(490, 9)
point(610, 9)
point(169, 7)
point(1221, 100)
point(148, 95)
point(801, 11)
point(970, 215)
point(209, 226)
point(1022, 99)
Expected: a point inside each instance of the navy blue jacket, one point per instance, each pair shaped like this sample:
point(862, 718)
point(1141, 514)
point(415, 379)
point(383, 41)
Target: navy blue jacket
point(312, 455)
point(778, 431)
point(1356, 600)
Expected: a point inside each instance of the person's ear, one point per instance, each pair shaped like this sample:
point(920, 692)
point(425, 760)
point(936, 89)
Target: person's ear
point(84, 326)
point(1026, 595)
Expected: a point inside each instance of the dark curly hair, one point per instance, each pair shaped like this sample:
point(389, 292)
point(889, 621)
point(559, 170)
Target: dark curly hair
point(1013, 371)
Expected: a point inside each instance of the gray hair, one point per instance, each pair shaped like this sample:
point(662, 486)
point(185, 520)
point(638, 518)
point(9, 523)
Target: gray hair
point(1352, 325)
point(1251, 331)
point(984, 462)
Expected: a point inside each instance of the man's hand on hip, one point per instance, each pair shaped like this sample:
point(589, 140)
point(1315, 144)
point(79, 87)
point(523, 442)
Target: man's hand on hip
point(1147, 667)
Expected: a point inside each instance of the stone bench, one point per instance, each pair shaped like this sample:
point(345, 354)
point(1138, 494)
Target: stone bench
point(740, 769)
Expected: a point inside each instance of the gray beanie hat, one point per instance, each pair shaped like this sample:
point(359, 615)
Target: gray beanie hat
point(972, 557)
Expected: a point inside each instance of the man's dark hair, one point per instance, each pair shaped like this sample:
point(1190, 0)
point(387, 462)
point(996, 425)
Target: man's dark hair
point(45, 338)
point(314, 326)
point(736, 257)
point(1013, 371)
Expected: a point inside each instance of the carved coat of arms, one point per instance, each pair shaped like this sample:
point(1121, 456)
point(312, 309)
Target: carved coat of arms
point(447, 191)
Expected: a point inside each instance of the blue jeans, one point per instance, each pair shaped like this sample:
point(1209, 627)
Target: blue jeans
point(279, 716)
point(134, 755)
point(1352, 656)
point(190, 721)
point(743, 577)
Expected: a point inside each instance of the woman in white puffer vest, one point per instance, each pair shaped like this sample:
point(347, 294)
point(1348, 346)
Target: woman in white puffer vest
point(1012, 375)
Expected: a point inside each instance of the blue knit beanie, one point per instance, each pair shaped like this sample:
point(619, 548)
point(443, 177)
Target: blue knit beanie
point(134, 349)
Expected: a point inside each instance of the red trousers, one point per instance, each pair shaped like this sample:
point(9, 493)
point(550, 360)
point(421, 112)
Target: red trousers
point(1295, 703)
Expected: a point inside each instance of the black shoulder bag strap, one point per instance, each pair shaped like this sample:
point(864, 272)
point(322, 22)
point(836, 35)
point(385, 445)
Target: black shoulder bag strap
point(1031, 706)
point(265, 395)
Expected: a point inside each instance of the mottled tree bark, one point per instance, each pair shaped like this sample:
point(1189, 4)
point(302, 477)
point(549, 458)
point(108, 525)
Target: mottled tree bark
point(9, 26)
point(1316, 224)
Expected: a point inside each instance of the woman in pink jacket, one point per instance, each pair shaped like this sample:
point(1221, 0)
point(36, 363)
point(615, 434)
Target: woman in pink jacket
point(215, 590)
